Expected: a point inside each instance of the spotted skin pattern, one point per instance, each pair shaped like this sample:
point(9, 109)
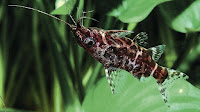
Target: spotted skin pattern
point(122, 53)
point(115, 51)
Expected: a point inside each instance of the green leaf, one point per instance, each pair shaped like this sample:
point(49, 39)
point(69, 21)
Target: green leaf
point(184, 97)
point(64, 8)
point(135, 10)
point(190, 17)
point(186, 19)
point(135, 96)
point(14, 110)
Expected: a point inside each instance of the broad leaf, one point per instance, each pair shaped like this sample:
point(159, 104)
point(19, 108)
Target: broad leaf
point(135, 10)
point(181, 16)
point(144, 96)
point(135, 96)
point(184, 97)
point(14, 110)
point(63, 8)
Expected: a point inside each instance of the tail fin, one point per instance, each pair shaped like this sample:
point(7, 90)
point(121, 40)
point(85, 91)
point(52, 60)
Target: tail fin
point(172, 76)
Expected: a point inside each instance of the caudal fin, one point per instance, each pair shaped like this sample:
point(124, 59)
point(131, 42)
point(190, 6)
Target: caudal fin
point(173, 75)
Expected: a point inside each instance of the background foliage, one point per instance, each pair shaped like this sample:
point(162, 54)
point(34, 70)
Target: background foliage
point(43, 69)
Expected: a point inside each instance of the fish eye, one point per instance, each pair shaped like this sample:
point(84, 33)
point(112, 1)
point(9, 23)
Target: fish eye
point(89, 42)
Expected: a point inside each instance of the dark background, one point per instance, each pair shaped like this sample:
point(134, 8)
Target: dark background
point(43, 68)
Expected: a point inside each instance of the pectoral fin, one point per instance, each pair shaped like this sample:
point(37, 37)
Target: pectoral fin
point(115, 79)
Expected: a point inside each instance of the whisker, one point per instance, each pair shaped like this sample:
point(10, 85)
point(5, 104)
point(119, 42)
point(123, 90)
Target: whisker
point(89, 18)
point(88, 11)
point(42, 13)
point(70, 14)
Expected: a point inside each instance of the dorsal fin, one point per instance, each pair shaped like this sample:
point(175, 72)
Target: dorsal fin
point(118, 33)
point(140, 39)
point(157, 51)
